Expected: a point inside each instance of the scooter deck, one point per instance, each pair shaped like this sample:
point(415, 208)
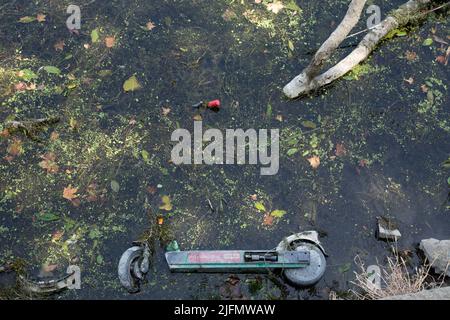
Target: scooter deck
point(235, 260)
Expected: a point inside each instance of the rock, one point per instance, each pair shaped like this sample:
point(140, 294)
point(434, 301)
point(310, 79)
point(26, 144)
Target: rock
point(438, 254)
point(387, 230)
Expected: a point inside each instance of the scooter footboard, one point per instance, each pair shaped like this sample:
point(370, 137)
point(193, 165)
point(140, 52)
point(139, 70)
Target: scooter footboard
point(235, 260)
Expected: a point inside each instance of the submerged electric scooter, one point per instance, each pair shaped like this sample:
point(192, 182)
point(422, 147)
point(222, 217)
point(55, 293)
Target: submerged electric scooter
point(300, 257)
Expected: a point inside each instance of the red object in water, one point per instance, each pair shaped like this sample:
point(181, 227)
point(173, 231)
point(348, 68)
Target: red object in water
point(214, 104)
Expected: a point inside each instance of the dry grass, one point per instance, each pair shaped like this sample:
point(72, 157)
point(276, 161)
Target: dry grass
point(395, 280)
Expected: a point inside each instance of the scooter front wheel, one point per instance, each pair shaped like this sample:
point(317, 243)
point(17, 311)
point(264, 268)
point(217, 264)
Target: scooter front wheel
point(128, 262)
point(311, 274)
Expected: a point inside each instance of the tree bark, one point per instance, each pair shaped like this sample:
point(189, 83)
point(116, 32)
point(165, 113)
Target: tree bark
point(335, 39)
point(304, 83)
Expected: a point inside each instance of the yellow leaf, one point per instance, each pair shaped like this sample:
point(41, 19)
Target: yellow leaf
point(27, 19)
point(260, 206)
point(278, 213)
point(167, 205)
point(314, 161)
point(131, 84)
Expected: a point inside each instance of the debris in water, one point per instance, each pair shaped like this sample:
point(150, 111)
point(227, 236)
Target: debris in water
point(387, 229)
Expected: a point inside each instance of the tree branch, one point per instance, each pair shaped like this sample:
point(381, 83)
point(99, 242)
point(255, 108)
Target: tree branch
point(303, 83)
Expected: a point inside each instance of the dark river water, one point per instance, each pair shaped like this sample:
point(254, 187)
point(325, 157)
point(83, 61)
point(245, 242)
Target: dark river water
point(381, 134)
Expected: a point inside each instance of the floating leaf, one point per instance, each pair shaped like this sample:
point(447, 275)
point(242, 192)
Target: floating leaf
point(95, 234)
point(47, 217)
point(99, 259)
point(448, 181)
point(309, 124)
point(292, 151)
point(95, 36)
point(292, 5)
point(167, 205)
point(69, 193)
point(446, 164)
point(27, 19)
point(278, 213)
point(56, 236)
point(52, 70)
point(340, 150)
point(27, 74)
point(165, 111)
point(314, 161)
point(110, 42)
point(15, 148)
point(260, 206)
point(150, 26)
point(275, 6)
point(59, 46)
point(40, 17)
point(268, 220)
point(49, 163)
point(428, 42)
point(131, 84)
point(48, 268)
point(291, 45)
point(345, 268)
point(269, 111)
point(115, 186)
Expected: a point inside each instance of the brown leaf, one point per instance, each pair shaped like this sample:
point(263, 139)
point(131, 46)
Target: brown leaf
point(151, 189)
point(424, 88)
point(410, 55)
point(150, 26)
point(4, 133)
point(40, 17)
point(314, 161)
point(268, 219)
point(197, 117)
point(20, 86)
point(165, 111)
point(54, 136)
point(441, 59)
point(48, 163)
point(340, 150)
point(31, 86)
point(279, 117)
point(57, 235)
point(92, 192)
point(254, 197)
point(76, 202)
point(69, 193)
point(275, 6)
point(47, 268)
point(15, 148)
point(110, 42)
point(410, 80)
point(59, 46)
point(363, 163)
